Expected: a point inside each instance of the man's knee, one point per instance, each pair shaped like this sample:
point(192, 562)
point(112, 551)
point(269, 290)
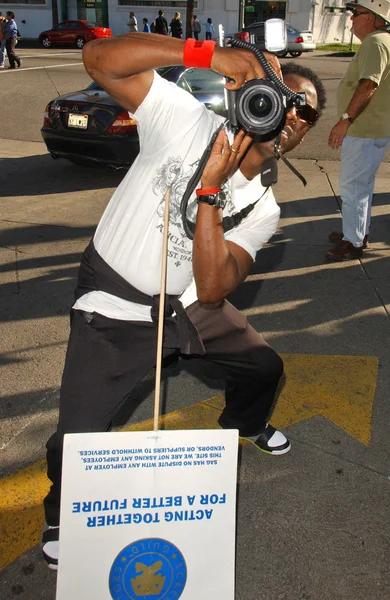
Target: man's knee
point(269, 365)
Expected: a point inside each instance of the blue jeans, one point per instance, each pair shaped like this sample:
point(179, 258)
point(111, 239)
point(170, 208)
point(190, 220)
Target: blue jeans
point(360, 160)
point(2, 51)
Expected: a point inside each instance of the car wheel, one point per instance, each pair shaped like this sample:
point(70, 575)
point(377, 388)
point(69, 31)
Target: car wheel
point(46, 42)
point(281, 54)
point(295, 54)
point(80, 42)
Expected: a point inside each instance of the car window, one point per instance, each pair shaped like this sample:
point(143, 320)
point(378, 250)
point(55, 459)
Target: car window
point(201, 80)
point(94, 86)
point(292, 29)
point(74, 25)
point(90, 24)
point(60, 26)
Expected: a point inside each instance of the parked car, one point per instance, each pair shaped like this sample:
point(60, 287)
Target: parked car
point(89, 127)
point(297, 41)
point(74, 33)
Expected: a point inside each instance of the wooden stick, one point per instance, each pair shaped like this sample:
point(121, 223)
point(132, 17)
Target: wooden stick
point(161, 312)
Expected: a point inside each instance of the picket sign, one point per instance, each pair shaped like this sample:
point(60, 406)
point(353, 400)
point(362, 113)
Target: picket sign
point(149, 515)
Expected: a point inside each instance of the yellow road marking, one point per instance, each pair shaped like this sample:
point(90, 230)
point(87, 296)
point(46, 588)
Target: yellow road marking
point(341, 388)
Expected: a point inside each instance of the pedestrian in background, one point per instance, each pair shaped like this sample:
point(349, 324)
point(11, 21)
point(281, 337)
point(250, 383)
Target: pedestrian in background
point(363, 130)
point(2, 40)
point(209, 29)
point(132, 24)
point(196, 27)
point(176, 26)
point(161, 24)
point(146, 25)
point(11, 33)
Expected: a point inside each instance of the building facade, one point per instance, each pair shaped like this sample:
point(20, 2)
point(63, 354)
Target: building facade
point(326, 18)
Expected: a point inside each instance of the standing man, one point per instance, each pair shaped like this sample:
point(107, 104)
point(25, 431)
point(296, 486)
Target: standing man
point(363, 130)
point(196, 27)
point(10, 33)
point(161, 24)
point(2, 40)
point(132, 24)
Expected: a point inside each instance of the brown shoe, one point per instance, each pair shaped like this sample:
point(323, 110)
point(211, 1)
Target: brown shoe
point(344, 251)
point(337, 236)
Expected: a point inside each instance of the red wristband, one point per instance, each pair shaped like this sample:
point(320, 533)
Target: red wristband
point(203, 192)
point(197, 53)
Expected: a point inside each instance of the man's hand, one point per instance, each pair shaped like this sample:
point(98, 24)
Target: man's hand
point(224, 159)
point(338, 133)
point(241, 65)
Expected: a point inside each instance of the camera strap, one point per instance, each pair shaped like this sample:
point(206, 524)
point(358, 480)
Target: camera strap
point(228, 222)
point(278, 154)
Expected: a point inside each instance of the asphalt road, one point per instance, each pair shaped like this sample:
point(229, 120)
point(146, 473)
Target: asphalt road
point(45, 74)
point(312, 525)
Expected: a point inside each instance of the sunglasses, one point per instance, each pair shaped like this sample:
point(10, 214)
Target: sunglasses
point(307, 113)
point(356, 13)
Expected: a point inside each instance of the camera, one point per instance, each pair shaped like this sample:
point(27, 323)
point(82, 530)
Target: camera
point(260, 105)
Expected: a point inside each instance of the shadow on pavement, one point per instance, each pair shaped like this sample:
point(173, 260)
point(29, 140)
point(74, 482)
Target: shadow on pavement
point(43, 175)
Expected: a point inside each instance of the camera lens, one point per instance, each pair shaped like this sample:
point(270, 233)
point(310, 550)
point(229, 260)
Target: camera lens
point(259, 107)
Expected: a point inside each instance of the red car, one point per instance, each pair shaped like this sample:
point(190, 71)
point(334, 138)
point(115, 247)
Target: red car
point(74, 33)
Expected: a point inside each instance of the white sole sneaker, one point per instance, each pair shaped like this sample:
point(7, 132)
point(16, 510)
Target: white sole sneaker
point(271, 441)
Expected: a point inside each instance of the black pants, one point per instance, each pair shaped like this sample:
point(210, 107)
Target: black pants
point(107, 358)
point(208, 35)
point(10, 47)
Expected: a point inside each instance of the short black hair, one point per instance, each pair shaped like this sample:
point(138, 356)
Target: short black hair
point(291, 68)
point(10, 13)
point(161, 12)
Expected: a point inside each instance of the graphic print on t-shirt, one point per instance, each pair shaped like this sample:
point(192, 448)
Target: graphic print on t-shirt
point(172, 174)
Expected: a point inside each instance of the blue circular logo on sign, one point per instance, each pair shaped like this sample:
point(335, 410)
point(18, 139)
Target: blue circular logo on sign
point(148, 569)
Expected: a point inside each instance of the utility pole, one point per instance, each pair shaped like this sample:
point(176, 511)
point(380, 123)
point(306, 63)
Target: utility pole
point(54, 12)
point(190, 14)
point(241, 18)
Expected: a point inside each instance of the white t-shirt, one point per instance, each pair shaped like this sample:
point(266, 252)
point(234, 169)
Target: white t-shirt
point(174, 129)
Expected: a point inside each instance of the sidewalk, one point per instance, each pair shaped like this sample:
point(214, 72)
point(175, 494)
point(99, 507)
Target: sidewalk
point(311, 525)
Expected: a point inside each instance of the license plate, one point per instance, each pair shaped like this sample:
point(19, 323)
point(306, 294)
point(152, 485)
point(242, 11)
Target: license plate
point(79, 121)
point(308, 38)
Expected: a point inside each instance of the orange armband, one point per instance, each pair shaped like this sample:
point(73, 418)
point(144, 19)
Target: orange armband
point(198, 54)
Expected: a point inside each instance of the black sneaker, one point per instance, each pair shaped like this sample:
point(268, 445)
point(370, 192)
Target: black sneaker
point(50, 546)
point(271, 441)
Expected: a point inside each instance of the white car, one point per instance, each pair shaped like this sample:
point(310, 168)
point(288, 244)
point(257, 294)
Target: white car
point(297, 41)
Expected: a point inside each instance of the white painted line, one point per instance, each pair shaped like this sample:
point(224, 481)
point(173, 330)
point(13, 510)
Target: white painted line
point(22, 69)
point(46, 55)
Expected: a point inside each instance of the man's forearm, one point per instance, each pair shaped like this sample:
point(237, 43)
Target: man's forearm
point(125, 55)
point(361, 98)
point(216, 270)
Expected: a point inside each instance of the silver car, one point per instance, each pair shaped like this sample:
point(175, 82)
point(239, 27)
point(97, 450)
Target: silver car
point(297, 41)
